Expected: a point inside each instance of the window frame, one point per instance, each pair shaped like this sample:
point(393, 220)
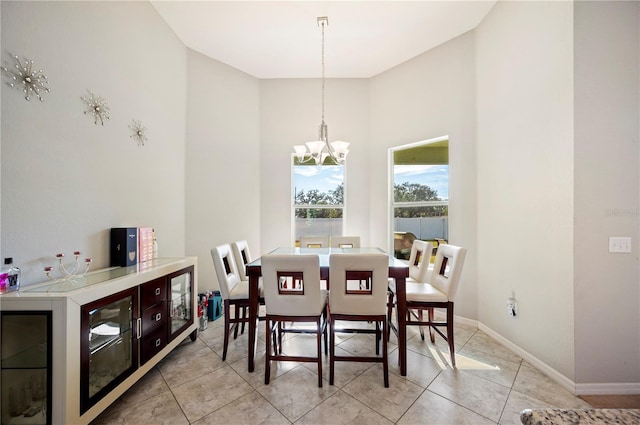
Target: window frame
point(392, 204)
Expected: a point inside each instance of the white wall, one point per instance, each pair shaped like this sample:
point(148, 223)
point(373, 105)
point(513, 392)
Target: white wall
point(223, 161)
point(290, 114)
point(606, 194)
point(524, 75)
point(66, 181)
point(430, 96)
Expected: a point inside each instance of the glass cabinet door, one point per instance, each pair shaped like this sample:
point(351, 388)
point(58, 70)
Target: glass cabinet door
point(109, 349)
point(181, 300)
point(25, 359)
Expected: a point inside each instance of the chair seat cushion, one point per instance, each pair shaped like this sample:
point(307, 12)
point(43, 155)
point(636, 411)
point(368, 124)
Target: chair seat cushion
point(424, 292)
point(241, 290)
point(420, 292)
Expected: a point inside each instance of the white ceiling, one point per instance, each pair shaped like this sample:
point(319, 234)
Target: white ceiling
point(281, 39)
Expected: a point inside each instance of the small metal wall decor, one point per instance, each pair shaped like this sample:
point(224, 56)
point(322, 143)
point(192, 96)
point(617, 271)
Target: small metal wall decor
point(139, 132)
point(97, 107)
point(32, 83)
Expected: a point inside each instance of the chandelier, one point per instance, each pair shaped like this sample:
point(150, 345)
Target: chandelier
point(315, 151)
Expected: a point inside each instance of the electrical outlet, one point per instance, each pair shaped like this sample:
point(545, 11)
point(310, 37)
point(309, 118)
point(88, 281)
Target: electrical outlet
point(512, 307)
point(619, 244)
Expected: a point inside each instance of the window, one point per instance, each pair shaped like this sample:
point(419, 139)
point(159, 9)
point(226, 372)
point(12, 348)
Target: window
point(318, 199)
point(420, 194)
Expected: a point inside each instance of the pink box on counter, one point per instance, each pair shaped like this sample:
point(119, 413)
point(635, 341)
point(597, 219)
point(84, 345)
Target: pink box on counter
point(145, 244)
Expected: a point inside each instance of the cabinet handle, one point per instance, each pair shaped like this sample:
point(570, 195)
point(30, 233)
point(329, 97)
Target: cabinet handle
point(157, 291)
point(158, 317)
point(139, 326)
point(158, 342)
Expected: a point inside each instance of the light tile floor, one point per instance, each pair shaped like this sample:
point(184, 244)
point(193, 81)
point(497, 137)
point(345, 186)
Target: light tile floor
point(490, 385)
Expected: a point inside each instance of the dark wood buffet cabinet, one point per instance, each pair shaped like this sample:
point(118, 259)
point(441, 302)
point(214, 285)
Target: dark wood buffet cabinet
point(90, 339)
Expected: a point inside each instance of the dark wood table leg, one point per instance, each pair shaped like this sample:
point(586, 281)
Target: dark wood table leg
point(401, 310)
point(254, 277)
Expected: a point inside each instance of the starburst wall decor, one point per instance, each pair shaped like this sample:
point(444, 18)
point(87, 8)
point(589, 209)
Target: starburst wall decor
point(97, 107)
point(33, 83)
point(139, 132)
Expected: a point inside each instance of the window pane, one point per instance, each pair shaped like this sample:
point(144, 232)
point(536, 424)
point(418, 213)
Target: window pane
point(318, 185)
point(318, 200)
point(426, 228)
point(421, 183)
point(318, 221)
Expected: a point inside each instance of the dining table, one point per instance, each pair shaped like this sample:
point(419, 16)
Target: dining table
point(398, 270)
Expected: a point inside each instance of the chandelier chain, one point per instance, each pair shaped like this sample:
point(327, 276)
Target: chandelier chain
point(323, 23)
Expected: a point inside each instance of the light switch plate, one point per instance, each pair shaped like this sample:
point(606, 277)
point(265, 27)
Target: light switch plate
point(620, 244)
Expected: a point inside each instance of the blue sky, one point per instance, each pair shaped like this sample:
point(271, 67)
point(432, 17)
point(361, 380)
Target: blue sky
point(325, 178)
point(434, 176)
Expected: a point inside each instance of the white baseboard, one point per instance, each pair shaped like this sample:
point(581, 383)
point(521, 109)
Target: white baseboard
point(565, 382)
point(610, 388)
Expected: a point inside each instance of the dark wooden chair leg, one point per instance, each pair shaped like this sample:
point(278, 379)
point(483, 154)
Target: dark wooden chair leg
point(389, 310)
point(332, 351)
point(452, 348)
point(319, 338)
point(236, 319)
point(432, 334)
point(227, 323)
point(420, 318)
point(378, 337)
point(385, 356)
point(267, 364)
point(244, 319)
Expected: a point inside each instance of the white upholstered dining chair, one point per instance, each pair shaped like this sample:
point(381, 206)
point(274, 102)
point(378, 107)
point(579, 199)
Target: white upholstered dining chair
point(235, 292)
point(314, 241)
point(439, 293)
point(351, 300)
point(242, 256)
point(419, 271)
point(419, 261)
point(345, 242)
point(292, 294)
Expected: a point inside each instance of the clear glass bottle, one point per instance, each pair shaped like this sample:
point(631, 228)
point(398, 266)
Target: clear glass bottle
point(13, 275)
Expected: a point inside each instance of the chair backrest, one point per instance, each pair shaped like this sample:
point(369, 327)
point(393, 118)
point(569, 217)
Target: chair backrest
point(419, 260)
point(345, 241)
point(314, 241)
point(226, 269)
point(242, 256)
point(291, 284)
point(359, 283)
point(447, 269)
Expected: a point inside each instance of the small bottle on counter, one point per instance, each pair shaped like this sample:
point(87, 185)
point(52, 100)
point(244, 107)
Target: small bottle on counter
point(4, 279)
point(13, 275)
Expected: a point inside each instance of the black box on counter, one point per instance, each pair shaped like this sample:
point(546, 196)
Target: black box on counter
point(124, 246)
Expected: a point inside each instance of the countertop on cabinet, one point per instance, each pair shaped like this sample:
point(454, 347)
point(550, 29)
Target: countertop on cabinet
point(99, 283)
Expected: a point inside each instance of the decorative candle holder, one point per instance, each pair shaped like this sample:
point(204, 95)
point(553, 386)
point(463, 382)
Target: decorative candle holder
point(66, 274)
